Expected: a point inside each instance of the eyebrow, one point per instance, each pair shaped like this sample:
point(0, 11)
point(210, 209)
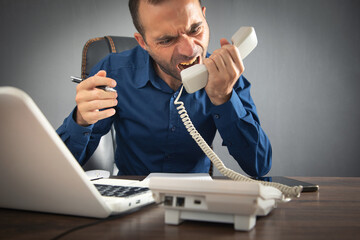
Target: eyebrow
point(167, 36)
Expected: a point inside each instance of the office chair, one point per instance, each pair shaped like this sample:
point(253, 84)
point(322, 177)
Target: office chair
point(94, 50)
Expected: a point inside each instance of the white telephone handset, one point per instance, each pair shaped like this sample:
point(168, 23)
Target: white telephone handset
point(194, 78)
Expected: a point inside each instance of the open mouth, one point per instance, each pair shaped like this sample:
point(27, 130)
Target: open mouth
point(188, 64)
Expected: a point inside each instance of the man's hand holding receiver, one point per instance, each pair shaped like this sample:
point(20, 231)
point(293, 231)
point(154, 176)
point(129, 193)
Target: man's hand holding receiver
point(225, 67)
point(90, 100)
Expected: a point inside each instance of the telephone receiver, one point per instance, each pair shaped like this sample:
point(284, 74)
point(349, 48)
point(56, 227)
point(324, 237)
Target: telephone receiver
point(195, 77)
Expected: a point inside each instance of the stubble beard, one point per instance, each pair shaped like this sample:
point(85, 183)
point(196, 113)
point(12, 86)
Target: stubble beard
point(171, 68)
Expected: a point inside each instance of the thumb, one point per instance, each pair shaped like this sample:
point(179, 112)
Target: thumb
point(223, 42)
point(101, 73)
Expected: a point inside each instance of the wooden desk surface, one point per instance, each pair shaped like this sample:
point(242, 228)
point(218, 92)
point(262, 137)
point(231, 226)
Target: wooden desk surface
point(331, 213)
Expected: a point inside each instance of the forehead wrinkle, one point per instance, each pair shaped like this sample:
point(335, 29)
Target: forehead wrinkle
point(177, 20)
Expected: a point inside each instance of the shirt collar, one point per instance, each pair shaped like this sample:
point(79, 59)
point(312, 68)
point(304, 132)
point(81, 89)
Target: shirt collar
point(146, 72)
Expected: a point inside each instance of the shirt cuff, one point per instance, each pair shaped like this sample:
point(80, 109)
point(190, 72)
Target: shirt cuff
point(77, 131)
point(229, 112)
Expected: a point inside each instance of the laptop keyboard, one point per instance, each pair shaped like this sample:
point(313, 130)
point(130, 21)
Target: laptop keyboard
point(119, 191)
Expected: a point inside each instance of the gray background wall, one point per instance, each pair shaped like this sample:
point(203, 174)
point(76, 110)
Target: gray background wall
point(305, 71)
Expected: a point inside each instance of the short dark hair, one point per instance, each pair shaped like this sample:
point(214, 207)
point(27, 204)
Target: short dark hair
point(134, 11)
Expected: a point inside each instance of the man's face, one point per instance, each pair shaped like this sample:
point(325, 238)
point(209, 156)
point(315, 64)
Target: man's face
point(176, 35)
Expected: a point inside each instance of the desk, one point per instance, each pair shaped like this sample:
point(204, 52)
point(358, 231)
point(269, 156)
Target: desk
point(331, 213)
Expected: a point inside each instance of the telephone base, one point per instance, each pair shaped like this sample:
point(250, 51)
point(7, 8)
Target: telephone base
point(221, 201)
point(241, 222)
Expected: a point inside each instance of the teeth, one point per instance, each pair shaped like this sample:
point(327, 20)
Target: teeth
point(188, 63)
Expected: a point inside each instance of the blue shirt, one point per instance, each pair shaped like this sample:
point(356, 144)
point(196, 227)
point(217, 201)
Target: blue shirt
point(149, 132)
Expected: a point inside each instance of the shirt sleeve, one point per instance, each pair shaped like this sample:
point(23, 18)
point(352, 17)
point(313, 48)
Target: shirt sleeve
point(83, 141)
point(239, 126)
point(75, 137)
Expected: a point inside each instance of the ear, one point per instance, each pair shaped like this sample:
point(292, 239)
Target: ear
point(204, 10)
point(140, 40)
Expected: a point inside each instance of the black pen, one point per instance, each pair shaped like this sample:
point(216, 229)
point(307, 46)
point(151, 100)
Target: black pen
point(105, 88)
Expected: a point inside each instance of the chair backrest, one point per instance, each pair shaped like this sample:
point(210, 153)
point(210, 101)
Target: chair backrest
point(97, 48)
point(94, 50)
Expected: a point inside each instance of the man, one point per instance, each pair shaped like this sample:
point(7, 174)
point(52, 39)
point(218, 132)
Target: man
point(172, 35)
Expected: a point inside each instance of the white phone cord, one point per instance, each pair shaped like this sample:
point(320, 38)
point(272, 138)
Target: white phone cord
point(288, 191)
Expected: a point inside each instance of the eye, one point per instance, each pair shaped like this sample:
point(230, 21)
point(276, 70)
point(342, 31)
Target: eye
point(166, 41)
point(195, 30)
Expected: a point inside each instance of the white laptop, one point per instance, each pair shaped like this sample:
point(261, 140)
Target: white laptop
point(39, 173)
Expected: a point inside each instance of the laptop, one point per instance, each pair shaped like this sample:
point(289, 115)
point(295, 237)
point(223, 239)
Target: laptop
point(39, 173)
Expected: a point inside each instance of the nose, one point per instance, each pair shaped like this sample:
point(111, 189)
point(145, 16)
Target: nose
point(186, 46)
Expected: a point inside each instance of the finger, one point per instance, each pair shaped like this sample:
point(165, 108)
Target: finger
point(99, 79)
point(232, 59)
point(101, 73)
point(224, 42)
point(94, 116)
point(97, 105)
point(235, 54)
point(94, 94)
point(219, 61)
point(225, 64)
point(210, 65)
point(99, 94)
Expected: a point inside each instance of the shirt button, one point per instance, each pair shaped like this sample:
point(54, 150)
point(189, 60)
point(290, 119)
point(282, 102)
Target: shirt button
point(173, 129)
point(217, 116)
point(86, 133)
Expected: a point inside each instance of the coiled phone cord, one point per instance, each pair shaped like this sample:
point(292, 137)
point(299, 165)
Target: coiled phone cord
point(289, 192)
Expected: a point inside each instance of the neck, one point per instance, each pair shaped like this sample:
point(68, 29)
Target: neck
point(172, 82)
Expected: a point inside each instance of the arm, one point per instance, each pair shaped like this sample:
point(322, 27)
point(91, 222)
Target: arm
point(239, 126)
point(83, 128)
point(234, 112)
point(82, 141)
